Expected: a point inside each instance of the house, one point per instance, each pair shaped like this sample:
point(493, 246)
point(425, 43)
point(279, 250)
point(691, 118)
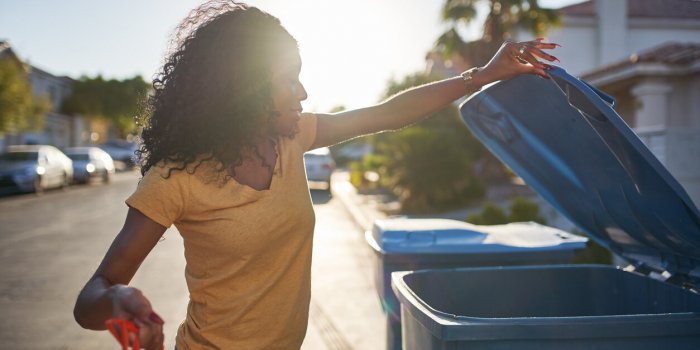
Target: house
point(597, 33)
point(59, 130)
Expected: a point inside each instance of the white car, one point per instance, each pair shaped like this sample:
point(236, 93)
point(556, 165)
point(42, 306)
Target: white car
point(319, 166)
point(33, 168)
point(90, 163)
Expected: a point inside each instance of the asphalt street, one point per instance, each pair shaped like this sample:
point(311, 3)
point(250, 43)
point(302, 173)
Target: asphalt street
point(51, 244)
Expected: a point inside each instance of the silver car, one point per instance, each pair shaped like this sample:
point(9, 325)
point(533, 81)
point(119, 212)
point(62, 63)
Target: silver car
point(33, 168)
point(319, 166)
point(90, 163)
point(122, 152)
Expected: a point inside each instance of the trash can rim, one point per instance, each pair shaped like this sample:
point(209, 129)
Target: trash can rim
point(484, 328)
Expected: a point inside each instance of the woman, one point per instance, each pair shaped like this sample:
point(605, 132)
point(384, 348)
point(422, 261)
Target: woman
point(222, 159)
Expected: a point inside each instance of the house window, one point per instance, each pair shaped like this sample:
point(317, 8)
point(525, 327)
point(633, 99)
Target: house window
point(53, 96)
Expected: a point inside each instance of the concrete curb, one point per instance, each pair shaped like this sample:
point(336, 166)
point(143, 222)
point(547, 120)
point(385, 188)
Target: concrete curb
point(362, 211)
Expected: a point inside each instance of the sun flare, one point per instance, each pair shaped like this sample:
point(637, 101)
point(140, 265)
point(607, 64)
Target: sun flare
point(348, 49)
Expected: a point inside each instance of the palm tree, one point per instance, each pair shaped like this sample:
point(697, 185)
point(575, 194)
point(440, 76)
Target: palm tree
point(503, 18)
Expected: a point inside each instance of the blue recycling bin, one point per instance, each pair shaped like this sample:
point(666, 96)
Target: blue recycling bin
point(402, 244)
point(566, 141)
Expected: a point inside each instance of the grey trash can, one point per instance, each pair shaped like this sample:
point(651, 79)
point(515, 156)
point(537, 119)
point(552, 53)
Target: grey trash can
point(565, 140)
point(546, 307)
point(402, 244)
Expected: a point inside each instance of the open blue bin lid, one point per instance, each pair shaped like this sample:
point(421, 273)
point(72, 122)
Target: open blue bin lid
point(564, 139)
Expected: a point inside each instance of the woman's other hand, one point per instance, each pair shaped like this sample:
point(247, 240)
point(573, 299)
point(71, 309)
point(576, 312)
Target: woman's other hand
point(515, 58)
point(130, 304)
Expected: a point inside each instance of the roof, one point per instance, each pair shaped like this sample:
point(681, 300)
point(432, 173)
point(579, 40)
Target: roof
point(689, 9)
point(6, 51)
point(669, 53)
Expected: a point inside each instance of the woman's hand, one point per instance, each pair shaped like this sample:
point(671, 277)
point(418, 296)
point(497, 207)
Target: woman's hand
point(130, 304)
point(515, 58)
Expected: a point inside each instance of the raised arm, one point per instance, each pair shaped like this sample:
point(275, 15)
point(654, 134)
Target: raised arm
point(107, 295)
point(414, 104)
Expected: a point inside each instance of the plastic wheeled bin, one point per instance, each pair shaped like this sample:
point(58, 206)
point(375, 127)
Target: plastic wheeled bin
point(407, 244)
point(565, 140)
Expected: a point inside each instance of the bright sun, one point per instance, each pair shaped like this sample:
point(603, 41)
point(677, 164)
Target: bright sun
point(350, 49)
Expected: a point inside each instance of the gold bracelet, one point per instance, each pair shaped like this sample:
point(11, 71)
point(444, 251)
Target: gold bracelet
point(468, 78)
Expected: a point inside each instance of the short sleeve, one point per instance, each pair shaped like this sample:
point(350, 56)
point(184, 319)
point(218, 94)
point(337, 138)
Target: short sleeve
point(307, 130)
point(161, 197)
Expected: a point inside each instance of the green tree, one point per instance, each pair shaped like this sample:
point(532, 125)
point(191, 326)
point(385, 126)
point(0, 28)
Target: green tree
point(116, 100)
point(19, 109)
point(503, 18)
point(428, 165)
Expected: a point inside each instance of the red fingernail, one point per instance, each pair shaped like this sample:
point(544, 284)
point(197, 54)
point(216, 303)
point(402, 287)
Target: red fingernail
point(539, 39)
point(155, 318)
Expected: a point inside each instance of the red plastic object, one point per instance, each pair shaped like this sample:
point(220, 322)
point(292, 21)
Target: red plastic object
point(120, 329)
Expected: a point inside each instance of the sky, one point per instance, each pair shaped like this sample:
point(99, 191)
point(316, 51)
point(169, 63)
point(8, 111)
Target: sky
point(349, 49)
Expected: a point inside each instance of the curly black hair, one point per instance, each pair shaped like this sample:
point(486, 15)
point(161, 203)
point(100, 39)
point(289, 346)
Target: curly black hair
point(212, 97)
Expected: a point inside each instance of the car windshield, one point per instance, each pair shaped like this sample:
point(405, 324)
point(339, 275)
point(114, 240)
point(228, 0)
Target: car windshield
point(78, 156)
point(19, 156)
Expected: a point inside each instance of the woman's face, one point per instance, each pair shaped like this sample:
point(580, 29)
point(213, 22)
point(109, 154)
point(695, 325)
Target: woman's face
point(287, 94)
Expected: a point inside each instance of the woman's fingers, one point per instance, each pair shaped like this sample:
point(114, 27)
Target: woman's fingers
point(515, 58)
point(525, 47)
point(541, 54)
point(129, 303)
point(150, 334)
point(535, 47)
point(541, 44)
point(527, 57)
point(530, 53)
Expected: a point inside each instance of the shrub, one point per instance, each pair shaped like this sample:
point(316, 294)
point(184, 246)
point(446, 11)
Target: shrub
point(521, 210)
point(490, 215)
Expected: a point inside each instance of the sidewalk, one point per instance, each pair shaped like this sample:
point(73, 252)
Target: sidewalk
point(363, 209)
point(345, 312)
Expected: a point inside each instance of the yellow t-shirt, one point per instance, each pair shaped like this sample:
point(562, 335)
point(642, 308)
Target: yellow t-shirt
point(248, 252)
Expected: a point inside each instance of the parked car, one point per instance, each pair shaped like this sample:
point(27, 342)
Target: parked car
point(123, 152)
point(90, 163)
point(353, 151)
point(319, 166)
point(34, 168)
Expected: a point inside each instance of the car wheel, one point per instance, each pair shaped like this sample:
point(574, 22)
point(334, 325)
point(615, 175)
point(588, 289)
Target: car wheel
point(64, 181)
point(38, 186)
